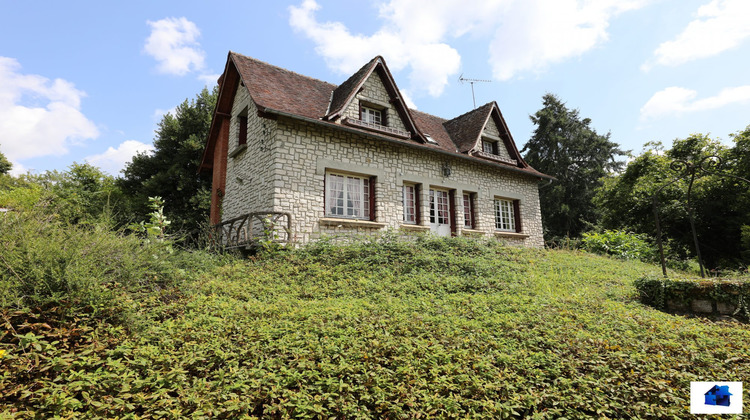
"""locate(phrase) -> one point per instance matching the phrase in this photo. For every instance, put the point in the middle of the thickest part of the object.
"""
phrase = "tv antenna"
(463, 79)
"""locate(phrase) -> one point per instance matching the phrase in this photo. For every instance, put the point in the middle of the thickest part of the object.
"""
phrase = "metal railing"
(248, 230)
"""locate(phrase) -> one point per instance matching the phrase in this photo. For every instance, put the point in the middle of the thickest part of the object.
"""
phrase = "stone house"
(354, 158)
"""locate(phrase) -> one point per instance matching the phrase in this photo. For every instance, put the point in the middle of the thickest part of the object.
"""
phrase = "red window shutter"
(243, 130)
(452, 209)
(471, 211)
(372, 198)
(517, 214)
(418, 204)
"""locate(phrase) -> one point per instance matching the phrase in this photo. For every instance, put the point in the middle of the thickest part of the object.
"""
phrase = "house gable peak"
(371, 100)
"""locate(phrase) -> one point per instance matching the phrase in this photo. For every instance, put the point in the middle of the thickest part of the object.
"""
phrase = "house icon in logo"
(718, 395)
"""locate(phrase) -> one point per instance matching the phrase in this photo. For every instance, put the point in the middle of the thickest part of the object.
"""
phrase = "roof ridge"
(426, 113)
(281, 68)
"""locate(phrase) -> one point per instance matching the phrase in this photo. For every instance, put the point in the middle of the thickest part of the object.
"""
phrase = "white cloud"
(39, 116)
(677, 100)
(18, 169)
(114, 160)
(209, 79)
(719, 26)
(536, 33)
(430, 60)
(160, 113)
(523, 35)
(173, 43)
(407, 99)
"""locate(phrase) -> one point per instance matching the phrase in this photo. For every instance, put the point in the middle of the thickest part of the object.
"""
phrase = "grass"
(374, 329)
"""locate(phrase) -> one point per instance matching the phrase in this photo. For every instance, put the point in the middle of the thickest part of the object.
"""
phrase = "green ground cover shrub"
(619, 244)
(431, 328)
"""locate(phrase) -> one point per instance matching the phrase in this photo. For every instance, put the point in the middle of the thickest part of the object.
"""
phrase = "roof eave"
(324, 123)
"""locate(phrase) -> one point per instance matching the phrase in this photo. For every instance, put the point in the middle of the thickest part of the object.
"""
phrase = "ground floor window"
(349, 196)
(506, 215)
(439, 207)
(411, 203)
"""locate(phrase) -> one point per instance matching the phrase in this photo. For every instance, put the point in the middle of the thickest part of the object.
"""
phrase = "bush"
(44, 262)
(620, 244)
(657, 292)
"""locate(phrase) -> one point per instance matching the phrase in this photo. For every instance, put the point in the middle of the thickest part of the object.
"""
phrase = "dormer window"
(489, 146)
(371, 115)
(374, 117)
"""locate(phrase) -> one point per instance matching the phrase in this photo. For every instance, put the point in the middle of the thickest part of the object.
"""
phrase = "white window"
(489, 147)
(372, 116)
(468, 211)
(439, 207)
(411, 201)
(505, 215)
(347, 196)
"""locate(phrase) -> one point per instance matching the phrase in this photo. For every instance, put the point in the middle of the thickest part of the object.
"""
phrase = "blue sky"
(89, 81)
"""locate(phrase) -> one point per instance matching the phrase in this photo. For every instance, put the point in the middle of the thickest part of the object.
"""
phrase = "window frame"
(364, 189)
(493, 146)
(507, 215)
(411, 211)
(365, 109)
(242, 128)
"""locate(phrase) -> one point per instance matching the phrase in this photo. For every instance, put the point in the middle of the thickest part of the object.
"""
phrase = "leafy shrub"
(46, 262)
(619, 244)
(657, 291)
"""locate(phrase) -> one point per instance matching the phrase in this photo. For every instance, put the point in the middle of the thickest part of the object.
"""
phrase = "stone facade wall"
(374, 92)
(249, 182)
(492, 130)
(304, 151)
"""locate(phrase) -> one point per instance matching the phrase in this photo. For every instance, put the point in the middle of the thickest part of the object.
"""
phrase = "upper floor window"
(371, 115)
(489, 146)
(243, 130)
(349, 196)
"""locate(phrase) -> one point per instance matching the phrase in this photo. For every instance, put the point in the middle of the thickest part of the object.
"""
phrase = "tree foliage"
(721, 205)
(171, 170)
(565, 146)
(5, 165)
(83, 194)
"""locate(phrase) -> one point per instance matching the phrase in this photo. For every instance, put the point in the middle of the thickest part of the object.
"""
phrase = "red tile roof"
(277, 90)
(465, 129)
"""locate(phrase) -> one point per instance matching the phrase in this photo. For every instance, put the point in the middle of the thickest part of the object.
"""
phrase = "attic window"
(430, 139)
(372, 116)
(490, 147)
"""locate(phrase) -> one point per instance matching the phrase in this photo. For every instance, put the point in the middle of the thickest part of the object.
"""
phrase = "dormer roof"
(466, 129)
(343, 95)
(278, 91)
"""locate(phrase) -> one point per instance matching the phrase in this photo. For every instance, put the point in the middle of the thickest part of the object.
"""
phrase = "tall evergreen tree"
(171, 170)
(565, 146)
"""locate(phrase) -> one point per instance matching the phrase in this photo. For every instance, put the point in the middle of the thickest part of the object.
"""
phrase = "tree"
(171, 170)
(565, 146)
(721, 205)
(5, 165)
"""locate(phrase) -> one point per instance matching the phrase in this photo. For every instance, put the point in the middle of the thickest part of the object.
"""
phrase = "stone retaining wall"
(726, 297)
